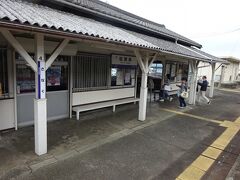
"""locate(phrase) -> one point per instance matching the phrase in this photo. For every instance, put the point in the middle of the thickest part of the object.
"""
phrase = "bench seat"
(100, 105)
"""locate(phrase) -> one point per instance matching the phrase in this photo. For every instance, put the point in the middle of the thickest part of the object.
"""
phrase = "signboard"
(119, 60)
(41, 79)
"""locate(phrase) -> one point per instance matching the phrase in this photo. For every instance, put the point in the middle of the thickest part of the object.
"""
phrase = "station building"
(62, 57)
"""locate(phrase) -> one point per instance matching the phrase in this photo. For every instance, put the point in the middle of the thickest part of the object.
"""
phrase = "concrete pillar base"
(40, 126)
(143, 104)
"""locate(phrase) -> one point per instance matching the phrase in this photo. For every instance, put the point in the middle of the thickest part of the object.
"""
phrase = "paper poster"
(54, 76)
(119, 78)
(127, 78)
(132, 73)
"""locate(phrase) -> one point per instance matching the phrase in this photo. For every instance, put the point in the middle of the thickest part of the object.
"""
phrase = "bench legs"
(77, 115)
(114, 108)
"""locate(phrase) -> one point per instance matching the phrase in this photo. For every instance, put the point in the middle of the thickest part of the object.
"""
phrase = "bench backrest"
(88, 97)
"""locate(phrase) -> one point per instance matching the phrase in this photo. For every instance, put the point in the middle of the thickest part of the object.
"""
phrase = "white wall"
(57, 107)
(207, 71)
(230, 71)
(7, 114)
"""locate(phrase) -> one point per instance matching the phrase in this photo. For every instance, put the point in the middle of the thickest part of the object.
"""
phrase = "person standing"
(182, 88)
(203, 89)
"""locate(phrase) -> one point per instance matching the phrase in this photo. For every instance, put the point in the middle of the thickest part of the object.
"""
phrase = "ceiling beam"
(56, 52)
(19, 48)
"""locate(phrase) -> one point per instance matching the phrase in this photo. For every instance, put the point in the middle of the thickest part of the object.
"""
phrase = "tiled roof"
(213, 58)
(230, 58)
(22, 12)
(37, 15)
(169, 46)
(107, 9)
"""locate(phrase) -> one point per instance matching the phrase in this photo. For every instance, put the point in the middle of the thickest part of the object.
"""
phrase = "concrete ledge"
(46, 162)
(232, 85)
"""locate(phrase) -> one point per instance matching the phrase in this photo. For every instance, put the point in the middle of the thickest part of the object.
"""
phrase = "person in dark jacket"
(203, 89)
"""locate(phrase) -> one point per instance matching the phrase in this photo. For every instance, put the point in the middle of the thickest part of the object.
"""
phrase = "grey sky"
(213, 23)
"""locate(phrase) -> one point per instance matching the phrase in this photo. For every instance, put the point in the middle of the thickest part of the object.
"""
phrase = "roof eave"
(65, 34)
(74, 36)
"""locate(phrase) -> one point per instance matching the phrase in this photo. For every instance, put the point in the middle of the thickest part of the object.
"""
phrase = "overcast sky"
(213, 23)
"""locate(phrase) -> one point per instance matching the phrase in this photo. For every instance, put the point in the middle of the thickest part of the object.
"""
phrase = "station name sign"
(124, 60)
(41, 79)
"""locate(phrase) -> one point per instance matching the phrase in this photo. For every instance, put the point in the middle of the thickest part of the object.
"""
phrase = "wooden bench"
(100, 105)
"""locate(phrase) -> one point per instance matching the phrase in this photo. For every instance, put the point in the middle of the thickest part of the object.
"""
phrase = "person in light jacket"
(203, 89)
(183, 87)
(166, 89)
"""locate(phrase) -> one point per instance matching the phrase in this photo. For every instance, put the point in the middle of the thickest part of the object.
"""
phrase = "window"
(156, 69)
(3, 73)
(25, 79)
(56, 75)
(123, 76)
(182, 71)
(171, 71)
(91, 72)
(123, 70)
(175, 71)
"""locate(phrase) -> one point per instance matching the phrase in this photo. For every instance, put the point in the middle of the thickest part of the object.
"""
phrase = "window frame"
(4, 74)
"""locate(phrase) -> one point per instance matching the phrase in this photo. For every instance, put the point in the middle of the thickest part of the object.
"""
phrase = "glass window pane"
(25, 79)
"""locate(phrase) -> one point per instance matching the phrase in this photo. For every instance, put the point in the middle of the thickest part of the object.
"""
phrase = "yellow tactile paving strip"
(202, 164)
(191, 115)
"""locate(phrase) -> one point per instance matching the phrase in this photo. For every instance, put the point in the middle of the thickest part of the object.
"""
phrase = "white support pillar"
(163, 72)
(212, 81)
(222, 76)
(143, 98)
(193, 82)
(40, 101)
(144, 65)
